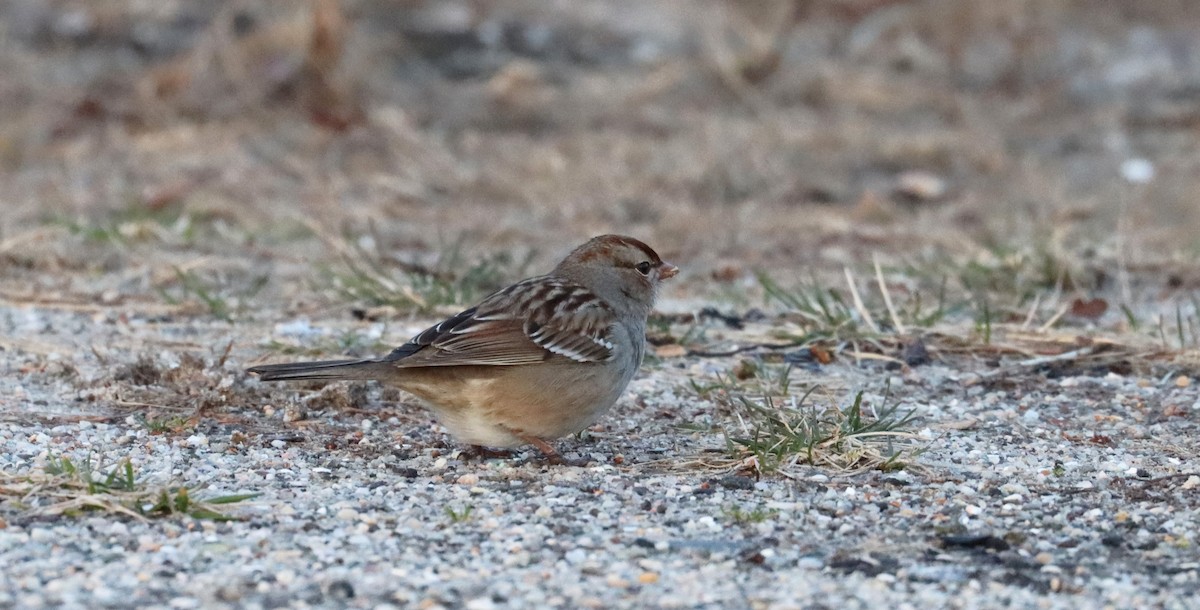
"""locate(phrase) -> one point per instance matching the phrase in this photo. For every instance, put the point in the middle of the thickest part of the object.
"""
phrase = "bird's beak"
(667, 271)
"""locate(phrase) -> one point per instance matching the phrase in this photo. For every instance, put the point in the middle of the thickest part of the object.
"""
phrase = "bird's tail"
(321, 371)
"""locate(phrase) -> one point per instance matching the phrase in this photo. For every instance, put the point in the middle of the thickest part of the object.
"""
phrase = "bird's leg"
(548, 450)
(551, 454)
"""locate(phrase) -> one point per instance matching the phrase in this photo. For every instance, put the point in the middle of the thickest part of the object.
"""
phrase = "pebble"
(922, 186)
(480, 603)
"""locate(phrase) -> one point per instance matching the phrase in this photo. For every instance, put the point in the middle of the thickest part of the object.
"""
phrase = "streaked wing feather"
(523, 324)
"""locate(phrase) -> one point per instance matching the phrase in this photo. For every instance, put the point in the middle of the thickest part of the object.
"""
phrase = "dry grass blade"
(887, 299)
(858, 302)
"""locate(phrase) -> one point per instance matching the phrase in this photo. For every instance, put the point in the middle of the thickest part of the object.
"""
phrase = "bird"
(536, 361)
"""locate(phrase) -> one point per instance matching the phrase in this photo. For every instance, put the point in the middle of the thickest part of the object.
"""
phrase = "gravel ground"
(1073, 491)
(166, 165)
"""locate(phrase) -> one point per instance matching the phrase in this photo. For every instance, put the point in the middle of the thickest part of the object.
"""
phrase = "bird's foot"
(479, 452)
(551, 454)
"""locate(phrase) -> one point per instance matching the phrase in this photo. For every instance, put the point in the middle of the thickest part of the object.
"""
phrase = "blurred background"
(733, 135)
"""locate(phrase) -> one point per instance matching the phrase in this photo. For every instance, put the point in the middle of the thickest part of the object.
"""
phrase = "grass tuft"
(826, 312)
(740, 516)
(64, 487)
(776, 428)
(460, 515)
(168, 425)
(375, 280)
(781, 435)
(347, 342)
(140, 222)
(213, 295)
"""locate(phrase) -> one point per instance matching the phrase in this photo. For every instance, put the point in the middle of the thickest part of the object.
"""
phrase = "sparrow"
(541, 359)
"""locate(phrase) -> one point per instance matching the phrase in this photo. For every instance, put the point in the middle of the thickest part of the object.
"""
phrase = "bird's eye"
(644, 267)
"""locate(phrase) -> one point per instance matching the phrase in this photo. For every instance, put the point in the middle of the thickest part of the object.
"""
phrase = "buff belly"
(498, 406)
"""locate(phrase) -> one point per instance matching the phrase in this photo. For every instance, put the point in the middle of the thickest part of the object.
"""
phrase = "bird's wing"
(532, 321)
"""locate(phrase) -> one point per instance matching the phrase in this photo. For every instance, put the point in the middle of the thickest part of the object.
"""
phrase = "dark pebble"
(974, 541)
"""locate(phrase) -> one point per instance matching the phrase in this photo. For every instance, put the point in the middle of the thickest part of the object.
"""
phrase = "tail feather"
(321, 371)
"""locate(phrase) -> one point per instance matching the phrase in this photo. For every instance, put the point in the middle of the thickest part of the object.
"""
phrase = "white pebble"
(480, 603)
(1137, 170)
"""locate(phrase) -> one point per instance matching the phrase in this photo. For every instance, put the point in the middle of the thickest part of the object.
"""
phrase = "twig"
(1037, 300)
(745, 348)
(1163, 479)
(1062, 311)
(1036, 362)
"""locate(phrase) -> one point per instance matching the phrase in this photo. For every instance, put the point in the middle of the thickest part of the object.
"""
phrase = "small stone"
(810, 563)
(671, 350)
(480, 603)
(920, 186)
(468, 479)
(1137, 170)
(1183, 381)
(347, 514)
(617, 582)
(341, 590)
(648, 578)
(1044, 558)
